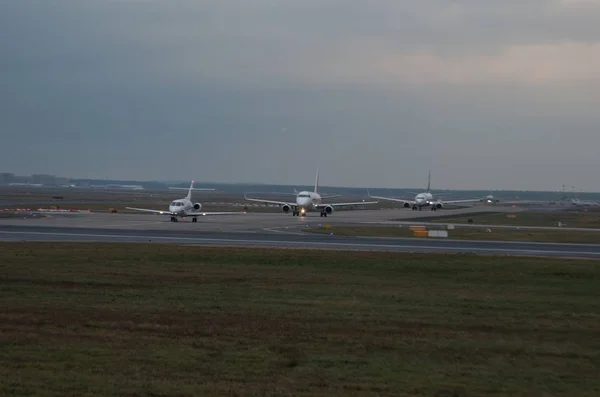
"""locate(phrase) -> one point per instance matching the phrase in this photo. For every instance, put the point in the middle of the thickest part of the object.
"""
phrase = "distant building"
(42, 179)
(126, 187)
(7, 177)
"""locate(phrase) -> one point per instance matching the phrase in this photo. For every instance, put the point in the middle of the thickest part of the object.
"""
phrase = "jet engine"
(285, 208)
(329, 210)
(197, 206)
(438, 205)
(406, 205)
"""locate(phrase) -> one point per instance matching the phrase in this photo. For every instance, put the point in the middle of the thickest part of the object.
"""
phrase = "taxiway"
(265, 230)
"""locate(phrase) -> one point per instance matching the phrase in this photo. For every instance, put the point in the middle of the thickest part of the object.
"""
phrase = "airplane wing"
(195, 188)
(461, 201)
(152, 211)
(270, 201)
(398, 200)
(214, 213)
(323, 205)
(188, 214)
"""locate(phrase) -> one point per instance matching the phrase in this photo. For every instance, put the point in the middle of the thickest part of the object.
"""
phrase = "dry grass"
(580, 217)
(471, 233)
(152, 320)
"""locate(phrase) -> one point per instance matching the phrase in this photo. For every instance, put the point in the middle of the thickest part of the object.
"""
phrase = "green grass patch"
(159, 320)
(589, 218)
(471, 233)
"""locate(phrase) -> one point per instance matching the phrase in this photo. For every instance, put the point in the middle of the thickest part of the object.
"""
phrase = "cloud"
(488, 93)
(545, 64)
(358, 42)
(577, 3)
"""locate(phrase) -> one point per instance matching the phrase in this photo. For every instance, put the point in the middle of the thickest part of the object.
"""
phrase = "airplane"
(490, 199)
(425, 199)
(306, 200)
(184, 207)
(583, 203)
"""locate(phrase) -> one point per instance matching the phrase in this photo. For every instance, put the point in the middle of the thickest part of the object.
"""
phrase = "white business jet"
(306, 200)
(425, 199)
(184, 207)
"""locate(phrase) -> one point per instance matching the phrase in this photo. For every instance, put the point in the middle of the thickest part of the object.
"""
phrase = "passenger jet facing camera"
(306, 200)
(425, 199)
(184, 207)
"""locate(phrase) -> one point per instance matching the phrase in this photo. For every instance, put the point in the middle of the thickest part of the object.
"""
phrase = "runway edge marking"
(323, 244)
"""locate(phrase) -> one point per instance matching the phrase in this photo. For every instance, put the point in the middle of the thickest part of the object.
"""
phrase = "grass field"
(471, 233)
(589, 218)
(151, 320)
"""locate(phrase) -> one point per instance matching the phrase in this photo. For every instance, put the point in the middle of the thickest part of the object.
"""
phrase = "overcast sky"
(489, 94)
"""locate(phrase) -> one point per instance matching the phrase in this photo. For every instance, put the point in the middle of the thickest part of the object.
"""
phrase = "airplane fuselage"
(307, 200)
(182, 207)
(423, 199)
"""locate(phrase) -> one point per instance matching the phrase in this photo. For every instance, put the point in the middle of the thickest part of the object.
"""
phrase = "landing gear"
(414, 208)
(173, 219)
(323, 214)
(433, 208)
(194, 219)
(297, 212)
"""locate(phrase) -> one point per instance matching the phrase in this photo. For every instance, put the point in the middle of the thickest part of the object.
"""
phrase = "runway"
(262, 230)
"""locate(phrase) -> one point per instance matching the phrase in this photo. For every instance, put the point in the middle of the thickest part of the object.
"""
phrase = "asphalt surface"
(293, 240)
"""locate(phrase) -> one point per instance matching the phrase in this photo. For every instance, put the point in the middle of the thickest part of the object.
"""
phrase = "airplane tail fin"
(429, 182)
(189, 195)
(317, 182)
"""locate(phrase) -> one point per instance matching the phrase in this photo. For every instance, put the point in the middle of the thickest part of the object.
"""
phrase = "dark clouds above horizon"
(374, 92)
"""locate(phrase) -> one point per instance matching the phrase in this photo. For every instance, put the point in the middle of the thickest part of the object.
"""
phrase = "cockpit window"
(176, 204)
(303, 195)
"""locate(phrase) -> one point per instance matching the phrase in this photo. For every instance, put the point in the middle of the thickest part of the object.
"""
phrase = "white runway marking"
(311, 244)
(129, 224)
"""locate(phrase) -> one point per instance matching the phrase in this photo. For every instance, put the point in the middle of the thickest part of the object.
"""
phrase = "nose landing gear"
(297, 212)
